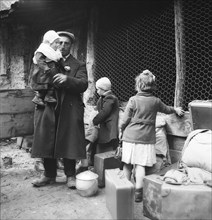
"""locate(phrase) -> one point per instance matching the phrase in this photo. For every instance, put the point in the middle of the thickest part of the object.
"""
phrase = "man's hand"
(59, 79)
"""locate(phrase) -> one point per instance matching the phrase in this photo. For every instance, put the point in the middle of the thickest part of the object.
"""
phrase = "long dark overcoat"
(59, 130)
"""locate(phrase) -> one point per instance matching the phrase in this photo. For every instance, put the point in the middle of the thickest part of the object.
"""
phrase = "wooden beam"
(16, 113)
(16, 125)
(92, 29)
(180, 71)
(16, 101)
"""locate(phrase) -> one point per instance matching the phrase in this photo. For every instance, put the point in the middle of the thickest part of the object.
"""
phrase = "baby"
(47, 62)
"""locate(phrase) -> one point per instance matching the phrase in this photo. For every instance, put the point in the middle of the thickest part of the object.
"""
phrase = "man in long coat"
(59, 129)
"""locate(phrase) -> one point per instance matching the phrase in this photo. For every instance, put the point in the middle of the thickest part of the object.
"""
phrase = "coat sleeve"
(128, 112)
(41, 61)
(105, 112)
(39, 73)
(79, 82)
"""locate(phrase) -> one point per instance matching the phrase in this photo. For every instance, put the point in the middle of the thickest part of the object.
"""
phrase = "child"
(91, 135)
(107, 117)
(138, 129)
(46, 63)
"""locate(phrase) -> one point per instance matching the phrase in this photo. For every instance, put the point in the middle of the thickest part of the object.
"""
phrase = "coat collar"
(109, 92)
(66, 57)
(144, 93)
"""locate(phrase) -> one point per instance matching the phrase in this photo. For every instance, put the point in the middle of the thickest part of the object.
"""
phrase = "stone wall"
(14, 49)
(17, 46)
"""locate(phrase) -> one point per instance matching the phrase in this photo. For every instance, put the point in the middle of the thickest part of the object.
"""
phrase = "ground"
(19, 200)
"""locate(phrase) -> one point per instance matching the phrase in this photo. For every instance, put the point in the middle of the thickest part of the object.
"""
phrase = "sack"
(91, 133)
(118, 152)
(197, 150)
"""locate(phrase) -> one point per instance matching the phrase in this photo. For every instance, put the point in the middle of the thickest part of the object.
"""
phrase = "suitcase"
(104, 161)
(201, 114)
(119, 193)
(165, 201)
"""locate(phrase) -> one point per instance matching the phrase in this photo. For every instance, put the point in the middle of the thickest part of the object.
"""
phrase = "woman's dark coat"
(59, 130)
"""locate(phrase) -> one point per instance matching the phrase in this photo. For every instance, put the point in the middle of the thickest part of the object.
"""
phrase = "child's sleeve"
(104, 112)
(41, 61)
(165, 108)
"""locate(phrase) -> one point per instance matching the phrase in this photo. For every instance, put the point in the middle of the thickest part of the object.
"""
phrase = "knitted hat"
(50, 36)
(103, 83)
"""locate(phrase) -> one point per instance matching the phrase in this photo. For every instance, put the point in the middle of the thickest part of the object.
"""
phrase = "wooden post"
(180, 69)
(90, 62)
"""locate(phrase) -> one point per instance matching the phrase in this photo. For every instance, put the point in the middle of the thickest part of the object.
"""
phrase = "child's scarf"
(49, 52)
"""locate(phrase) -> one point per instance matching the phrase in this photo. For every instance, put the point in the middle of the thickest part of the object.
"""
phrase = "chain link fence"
(136, 35)
(197, 45)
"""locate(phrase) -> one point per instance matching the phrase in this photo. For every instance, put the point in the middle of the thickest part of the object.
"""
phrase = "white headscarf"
(50, 36)
(45, 48)
(49, 52)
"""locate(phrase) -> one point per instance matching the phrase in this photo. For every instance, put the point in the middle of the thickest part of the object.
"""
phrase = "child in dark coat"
(103, 127)
(107, 117)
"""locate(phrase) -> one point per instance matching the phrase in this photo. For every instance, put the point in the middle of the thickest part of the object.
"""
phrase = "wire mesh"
(197, 45)
(137, 35)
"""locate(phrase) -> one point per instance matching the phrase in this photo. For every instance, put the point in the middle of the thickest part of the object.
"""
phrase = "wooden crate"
(16, 113)
(177, 129)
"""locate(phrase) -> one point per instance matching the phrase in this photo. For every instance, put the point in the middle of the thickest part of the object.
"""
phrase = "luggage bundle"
(103, 161)
(185, 192)
(119, 194)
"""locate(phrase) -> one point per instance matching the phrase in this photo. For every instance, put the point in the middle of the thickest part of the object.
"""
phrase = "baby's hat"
(50, 36)
(103, 83)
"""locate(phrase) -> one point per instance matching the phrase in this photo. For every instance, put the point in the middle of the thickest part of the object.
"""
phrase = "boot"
(38, 101)
(50, 96)
(71, 182)
(50, 99)
(39, 166)
(139, 195)
(60, 164)
(43, 181)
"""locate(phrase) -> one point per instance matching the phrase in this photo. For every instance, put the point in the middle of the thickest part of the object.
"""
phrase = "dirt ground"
(19, 200)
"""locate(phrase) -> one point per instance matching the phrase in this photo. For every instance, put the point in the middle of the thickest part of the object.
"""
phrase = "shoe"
(43, 181)
(50, 99)
(60, 164)
(139, 195)
(71, 182)
(81, 169)
(38, 101)
(39, 166)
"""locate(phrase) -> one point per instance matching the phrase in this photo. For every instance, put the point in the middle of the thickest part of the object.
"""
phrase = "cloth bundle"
(187, 175)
